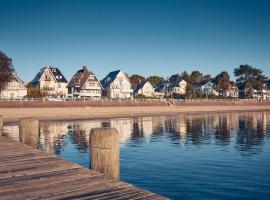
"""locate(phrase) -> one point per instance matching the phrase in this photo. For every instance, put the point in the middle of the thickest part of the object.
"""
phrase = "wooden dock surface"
(27, 173)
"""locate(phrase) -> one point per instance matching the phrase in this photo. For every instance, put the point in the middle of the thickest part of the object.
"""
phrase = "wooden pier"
(27, 173)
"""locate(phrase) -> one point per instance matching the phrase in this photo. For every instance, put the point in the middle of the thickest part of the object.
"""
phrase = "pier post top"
(27, 118)
(104, 138)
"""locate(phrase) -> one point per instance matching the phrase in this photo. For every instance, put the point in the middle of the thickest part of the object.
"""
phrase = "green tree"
(32, 91)
(207, 77)
(185, 76)
(155, 80)
(136, 79)
(250, 78)
(222, 81)
(196, 76)
(6, 68)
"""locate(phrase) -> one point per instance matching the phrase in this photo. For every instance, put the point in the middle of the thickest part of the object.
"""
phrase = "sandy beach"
(11, 115)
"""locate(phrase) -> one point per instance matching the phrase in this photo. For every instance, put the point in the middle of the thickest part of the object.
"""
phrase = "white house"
(232, 91)
(84, 84)
(144, 89)
(161, 89)
(266, 92)
(176, 86)
(51, 82)
(117, 85)
(14, 89)
(206, 87)
(172, 87)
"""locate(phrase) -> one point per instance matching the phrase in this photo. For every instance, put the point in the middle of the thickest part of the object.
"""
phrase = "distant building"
(177, 86)
(232, 91)
(255, 93)
(84, 84)
(14, 89)
(246, 92)
(51, 82)
(144, 89)
(206, 87)
(117, 85)
(266, 92)
(161, 89)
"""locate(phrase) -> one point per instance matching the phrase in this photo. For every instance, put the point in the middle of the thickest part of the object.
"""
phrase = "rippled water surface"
(204, 156)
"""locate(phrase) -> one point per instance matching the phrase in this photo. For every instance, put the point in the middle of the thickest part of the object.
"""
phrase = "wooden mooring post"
(104, 148)
(29, 131)
(1, 125)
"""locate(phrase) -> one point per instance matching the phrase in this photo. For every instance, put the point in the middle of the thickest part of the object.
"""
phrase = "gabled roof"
(14, 76)
(17, 78)
(80, 78)
(140, 86)
(163, 84)
(109, 78)
(174, 80)
(57, 74)
(201, 83)
(266, 87)
(268, 83)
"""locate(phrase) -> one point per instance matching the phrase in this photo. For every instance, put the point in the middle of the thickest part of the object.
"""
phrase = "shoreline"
(12, 115)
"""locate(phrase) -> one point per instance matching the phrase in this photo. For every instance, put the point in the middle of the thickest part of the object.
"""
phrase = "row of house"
(116, 85)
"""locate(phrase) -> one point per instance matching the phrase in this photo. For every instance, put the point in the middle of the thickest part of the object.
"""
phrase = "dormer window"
(58, 77)
(53, 70)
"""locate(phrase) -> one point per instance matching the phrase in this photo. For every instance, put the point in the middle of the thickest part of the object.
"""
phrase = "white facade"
(14, 89)
(232, 92)
(84, 84)
(146, 90)
(117, 85)
(179, 88)
(51, 82)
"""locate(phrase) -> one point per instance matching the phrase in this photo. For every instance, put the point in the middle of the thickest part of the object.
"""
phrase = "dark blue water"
(205, 156)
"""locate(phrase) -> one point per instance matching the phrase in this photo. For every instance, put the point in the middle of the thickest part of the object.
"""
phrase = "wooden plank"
(26, 173)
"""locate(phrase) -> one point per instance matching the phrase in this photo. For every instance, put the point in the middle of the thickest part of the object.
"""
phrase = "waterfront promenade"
(27, 173)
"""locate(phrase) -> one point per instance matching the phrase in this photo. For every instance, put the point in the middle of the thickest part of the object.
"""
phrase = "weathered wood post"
(1, 125)
(29, 131)
(104, 148)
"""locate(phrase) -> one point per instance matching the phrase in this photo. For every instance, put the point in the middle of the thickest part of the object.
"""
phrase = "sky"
(146, 37)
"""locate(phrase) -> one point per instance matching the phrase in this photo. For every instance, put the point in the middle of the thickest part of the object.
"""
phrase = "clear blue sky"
(139, 36)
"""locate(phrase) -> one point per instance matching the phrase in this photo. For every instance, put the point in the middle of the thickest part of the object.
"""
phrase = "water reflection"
(245, 131)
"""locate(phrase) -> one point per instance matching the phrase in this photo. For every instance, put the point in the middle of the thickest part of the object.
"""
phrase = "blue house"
(206, 87)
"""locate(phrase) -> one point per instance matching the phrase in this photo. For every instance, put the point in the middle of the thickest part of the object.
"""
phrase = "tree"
(6, 69)
(207, 77)
(136, 79)
(250, 78)
(155, 80)
(185, 76)
(196, 76)
(32, 91)
(222, 81)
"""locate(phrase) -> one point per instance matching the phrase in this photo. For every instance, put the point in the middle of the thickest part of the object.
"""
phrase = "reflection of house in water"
(158, 125)
(124, 128)
(252, 131)
(248, 130)
(52, 136)
(146, 126)
(80, 133)
(11, 131)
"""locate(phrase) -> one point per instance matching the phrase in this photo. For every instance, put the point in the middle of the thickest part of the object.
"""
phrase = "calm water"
(204, 156)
